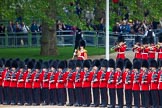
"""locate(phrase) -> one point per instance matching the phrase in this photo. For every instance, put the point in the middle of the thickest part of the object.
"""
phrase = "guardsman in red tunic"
(86, 84)
(136, 82)
(1, 79)
(95, 82)
(154, 83)
(45, 83)
(103, 83)
(121, 48)
(37, 84)
(160, 83)
(152, 51)
(70, 82)
(111, 83)
(6, 76)
(137, 49)
(144, 49)
(60, 85)
(119, 81)
(128, 81)
(78, 83)
(52, 83)
(21, 84)
(13, 83)
(145, 84)
(28, 83)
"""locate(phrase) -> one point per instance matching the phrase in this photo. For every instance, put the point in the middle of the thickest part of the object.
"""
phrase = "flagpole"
(107, 29)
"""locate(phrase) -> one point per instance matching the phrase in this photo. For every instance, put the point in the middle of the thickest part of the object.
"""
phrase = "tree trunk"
(49, 39)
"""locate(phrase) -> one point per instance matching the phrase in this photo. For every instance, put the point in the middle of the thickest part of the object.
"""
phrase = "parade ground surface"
(129, 54)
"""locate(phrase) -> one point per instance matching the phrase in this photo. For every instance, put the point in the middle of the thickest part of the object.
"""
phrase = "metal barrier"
(66, 38)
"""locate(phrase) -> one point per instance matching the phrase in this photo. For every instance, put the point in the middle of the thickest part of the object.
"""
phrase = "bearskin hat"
(71, 64)
(21, 64)
(136, 64)
(14, 63)
(145, 40)
(26, 61)
(153, 63)
(112, 63)
(3, 60)
(45, 65)
(54, 64)
(8, 63)
(87, 64)
(160, 38)
(128, 64)
(96, 63)
(30, 65)
(120, 64)
(1, 63)
(61, 64)
(121, 39)
(38, 65)
(82, 43)
(145, 64)
(104, 63)
(79, 63)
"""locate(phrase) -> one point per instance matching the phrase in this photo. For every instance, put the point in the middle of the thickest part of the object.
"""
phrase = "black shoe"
(60, 104)
(94, 105)
(12, 103)
(4, 103)
(102, 105)
(69, 104)
(85, 105)
(76, 105)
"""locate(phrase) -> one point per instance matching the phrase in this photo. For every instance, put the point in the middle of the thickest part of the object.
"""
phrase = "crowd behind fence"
(66, 38)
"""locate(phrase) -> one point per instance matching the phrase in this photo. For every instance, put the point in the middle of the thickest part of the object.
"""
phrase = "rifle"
(136, 78)
(45, 77)
(1, 70)
(160, 79)
(128, 77)
(144, 77)
(8, 76)
(61, 76)
(154, 76)
(95, 76)
(77, 76)
(119, 79)
(103, 75)
(70, 75)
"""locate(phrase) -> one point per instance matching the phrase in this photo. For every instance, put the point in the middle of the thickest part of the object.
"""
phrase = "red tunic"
(111, 80)
(128, 80)
(61, 81)
(144, 53)
(154, 81)
(96, 81)
(119, 79)
(145, 82)
(137, 53)
(104, 79)
(159, 53)
(78, 79)
(70, 80)
(121, 52)
(81, 55)
(29, 80)
(14, 79)
(6, 80)
(53, 80)
(136, 81)
(87, 79)
(45, 81)
(37, 81)
(21, 80)
(160, 80)
(151, 52)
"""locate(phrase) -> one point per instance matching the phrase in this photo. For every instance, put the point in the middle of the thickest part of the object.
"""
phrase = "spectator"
(150, 35)
(116, 28)
(2, 34)
(25, 30)
(18, 34)
(10, 31)
(125, 27)
(34, 30)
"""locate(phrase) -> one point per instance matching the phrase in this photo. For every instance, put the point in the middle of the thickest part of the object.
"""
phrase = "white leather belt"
(120, 52)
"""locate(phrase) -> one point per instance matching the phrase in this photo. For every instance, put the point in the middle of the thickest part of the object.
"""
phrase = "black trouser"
(136, 95)
(28, 95)
(79, 95)
(160, 98)
(120, 97)
(112, 95)
(20, 95)
(128, 97)
(87, 96)
(45, 95)
(1, 94)
(145, 98)
(6, 97)
(53, 96)
(36, 95)
(104, 97)
(71, 96)
(155, 98)
(96, 96)
(61, 96)
(13, 95)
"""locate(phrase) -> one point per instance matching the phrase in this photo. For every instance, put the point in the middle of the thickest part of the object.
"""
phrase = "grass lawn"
(63, 53)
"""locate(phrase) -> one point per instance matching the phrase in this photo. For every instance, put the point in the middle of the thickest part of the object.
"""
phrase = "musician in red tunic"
(137, 50)
(144, 49)
(159, 49)
(120, 48)
(152, 51)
